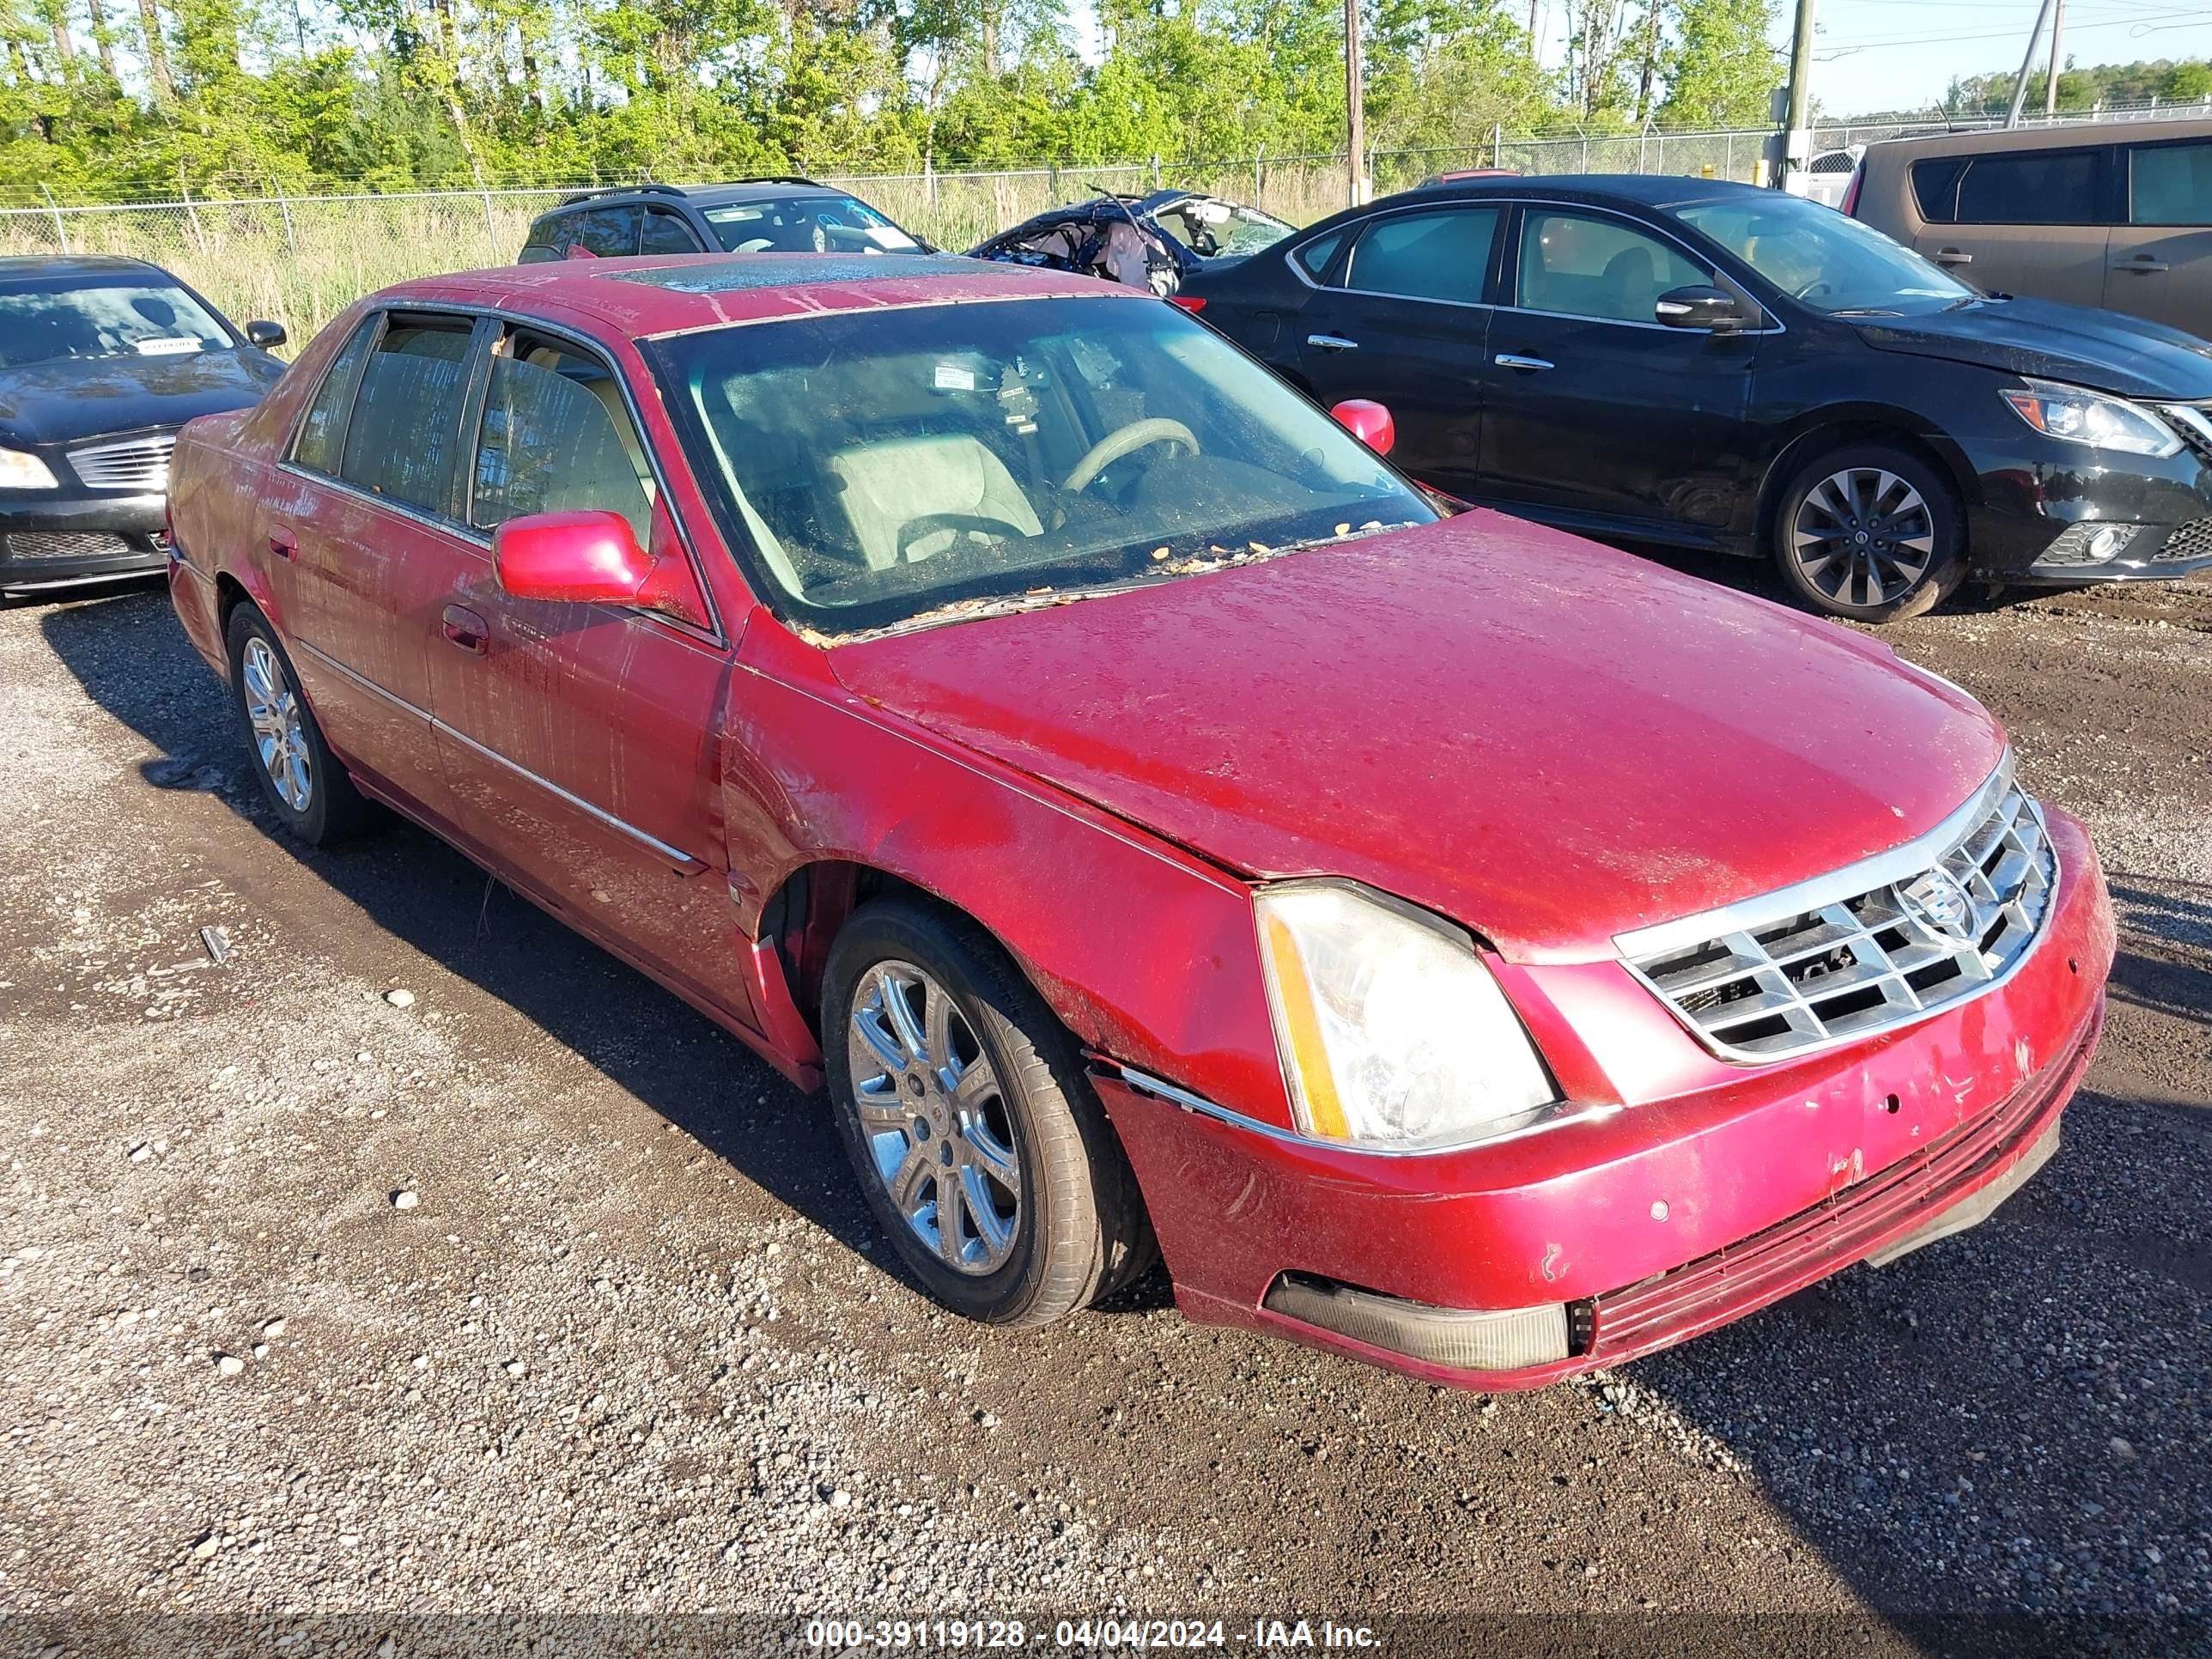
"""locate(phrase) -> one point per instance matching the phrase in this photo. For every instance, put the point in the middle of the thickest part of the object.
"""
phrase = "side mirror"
(573, 558)
(267, 336)
(1713, 309)
(1367, 421)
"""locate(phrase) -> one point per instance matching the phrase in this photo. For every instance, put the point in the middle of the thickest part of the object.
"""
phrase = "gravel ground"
(419, 1260)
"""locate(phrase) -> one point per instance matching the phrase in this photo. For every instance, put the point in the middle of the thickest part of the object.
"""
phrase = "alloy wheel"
(280, 740)
(934, 1117)
(1863, 537)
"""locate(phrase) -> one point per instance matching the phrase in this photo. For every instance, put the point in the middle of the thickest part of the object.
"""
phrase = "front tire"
(301, 780)
(982, 1151)
(1869, 533)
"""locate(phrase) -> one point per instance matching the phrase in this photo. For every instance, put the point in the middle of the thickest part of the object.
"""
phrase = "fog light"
(1508, 1340)
(2090, 544)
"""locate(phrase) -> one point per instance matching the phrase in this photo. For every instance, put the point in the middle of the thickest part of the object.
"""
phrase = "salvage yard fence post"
(61, 230)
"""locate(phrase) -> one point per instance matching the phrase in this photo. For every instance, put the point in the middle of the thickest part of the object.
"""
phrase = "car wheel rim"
(938, 1126)
(1864, 535)
(280, 739)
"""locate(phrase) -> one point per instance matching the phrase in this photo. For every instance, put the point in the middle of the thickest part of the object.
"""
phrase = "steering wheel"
(1818, 285)
(982, 526)
(1154, 429)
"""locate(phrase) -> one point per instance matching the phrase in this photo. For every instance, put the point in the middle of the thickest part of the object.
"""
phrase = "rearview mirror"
(585, 558)
(1713, 309)
(267, 336)
(1367, 421)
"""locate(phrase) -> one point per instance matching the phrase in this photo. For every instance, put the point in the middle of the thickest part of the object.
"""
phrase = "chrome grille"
(1876, 945)
(135, 463)
(2191, 541)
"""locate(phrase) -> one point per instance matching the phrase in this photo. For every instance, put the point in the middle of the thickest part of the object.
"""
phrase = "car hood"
(1546, 740)
(78, 397)
(2098, 349)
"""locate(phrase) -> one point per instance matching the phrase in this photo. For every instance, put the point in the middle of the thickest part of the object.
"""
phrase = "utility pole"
(1797, 141)
(1354, 93)
(2050, 82)
(2026, 61)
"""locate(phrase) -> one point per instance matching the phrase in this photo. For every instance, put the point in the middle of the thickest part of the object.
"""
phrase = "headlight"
(1393, 1034)
(19, 471)
(2078, 417)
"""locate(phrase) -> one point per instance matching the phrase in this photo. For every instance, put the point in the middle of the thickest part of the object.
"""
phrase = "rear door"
(1402, 318)
(2160, 261)
(1595, 413)
(2030, 221)
(604, 233)
(360, 516)
(581, 742)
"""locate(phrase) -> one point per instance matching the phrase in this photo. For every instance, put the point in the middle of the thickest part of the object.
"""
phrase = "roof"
(1656, 190)
(672, 294)
(2066, 136)
(705, 196)
(43, 265)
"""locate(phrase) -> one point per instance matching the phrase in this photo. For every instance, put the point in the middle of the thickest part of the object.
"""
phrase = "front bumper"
(2042, 504)
(1650, 1223)
(47, 542)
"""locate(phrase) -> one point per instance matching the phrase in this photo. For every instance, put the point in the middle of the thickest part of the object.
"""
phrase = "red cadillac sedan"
(1157, 823)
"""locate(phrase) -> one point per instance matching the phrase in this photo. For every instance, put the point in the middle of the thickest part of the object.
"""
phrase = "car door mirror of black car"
(267, 336)
(1715, 310)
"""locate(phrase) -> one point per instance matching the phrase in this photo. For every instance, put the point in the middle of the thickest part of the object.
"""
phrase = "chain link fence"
(300, 259)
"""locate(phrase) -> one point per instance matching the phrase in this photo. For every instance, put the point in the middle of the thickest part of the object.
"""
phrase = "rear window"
(2031, 187)
(1425, 256)
(607, 232)
(399, 442)
(2170, 185)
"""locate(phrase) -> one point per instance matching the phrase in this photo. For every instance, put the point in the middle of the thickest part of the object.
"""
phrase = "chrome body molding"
(677, 859)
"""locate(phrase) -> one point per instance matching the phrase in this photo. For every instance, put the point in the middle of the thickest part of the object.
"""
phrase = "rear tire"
(1869, 533)
(980, 1147)
(301, 778)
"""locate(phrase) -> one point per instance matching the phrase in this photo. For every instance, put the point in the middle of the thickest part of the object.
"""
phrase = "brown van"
(2112, 214)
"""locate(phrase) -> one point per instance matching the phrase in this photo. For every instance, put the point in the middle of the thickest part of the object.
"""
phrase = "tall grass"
(300, 263)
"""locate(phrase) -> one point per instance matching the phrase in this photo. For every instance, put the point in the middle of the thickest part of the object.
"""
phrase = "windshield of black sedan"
(49, 325)
(1823, 259)
(887, 464)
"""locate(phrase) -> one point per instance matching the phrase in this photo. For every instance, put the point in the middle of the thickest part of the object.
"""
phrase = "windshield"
(885, 465)
(1825, 260)
(120, 320)
(1220, 230)
(808, 224)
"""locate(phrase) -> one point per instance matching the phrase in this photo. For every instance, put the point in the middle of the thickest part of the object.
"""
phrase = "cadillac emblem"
(1938, 902)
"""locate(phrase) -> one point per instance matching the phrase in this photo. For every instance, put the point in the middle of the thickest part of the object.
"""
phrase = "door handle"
(1515, 360)
(2141, 262)
(283, 544)
(1952, 256)
(1332, 343)
(464, 627)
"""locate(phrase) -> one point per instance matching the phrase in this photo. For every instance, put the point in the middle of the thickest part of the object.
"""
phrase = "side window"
(557, 438)
(2170, 185)
(1579, 266)
(1425, 256)
(399, 442)
(607, 232)
(1935, 188)
(2034, 187)
(324, 429)
(1315, 256)
(665, 233)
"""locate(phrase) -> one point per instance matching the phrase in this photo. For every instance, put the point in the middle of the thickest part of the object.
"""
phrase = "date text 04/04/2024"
(849, 1635)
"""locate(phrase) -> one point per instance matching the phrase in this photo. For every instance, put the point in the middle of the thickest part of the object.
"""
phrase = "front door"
(1402, 320)
(582, 742)
(1597, 415)
(2158, 263)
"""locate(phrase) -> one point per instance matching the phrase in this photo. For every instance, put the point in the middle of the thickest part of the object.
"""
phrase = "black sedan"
(1710, 366)
(101, 359)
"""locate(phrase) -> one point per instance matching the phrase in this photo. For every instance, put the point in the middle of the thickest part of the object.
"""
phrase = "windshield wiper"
(1867, 311)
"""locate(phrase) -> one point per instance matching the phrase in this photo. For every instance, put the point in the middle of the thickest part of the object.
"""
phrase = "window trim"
(2129, 151)
(1721, 276)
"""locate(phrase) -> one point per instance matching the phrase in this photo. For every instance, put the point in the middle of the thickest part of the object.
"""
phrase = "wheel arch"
(1832, 429)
